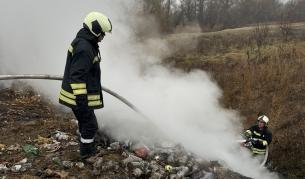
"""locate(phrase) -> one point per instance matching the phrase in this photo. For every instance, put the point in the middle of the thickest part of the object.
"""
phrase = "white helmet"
(97, 23)
(263, 118)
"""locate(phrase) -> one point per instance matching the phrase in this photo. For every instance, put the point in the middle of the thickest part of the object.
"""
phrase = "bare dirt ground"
(26, 119)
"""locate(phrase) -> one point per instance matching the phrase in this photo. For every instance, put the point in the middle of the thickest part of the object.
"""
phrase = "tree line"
(213, 15)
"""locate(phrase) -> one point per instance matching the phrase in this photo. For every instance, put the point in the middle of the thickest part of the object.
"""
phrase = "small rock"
(137, 172)
(80, 165)
(67, 164)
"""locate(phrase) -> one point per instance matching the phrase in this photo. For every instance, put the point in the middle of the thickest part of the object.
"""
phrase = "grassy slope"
(273, 82)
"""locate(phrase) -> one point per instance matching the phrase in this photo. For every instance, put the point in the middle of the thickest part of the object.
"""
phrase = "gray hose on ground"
(59, 78)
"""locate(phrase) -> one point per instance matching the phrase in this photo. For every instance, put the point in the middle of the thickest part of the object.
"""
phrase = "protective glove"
(247, 135)
(255, 141)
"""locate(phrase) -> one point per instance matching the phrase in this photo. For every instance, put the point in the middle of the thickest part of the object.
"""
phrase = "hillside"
(258, 70)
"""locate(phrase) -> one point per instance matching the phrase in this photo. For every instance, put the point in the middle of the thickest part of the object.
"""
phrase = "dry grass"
(272, 82)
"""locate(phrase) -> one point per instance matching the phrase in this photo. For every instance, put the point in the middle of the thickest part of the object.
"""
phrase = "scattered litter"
(182, 172)
(80, 165)
(30, 149)
(132, 158)
(2, 146)
(43, 140)
(72, 143)
(3, 168)
(56, 161)
(142, 152)
(49, 172)
(15, 147)
(16, 168)
(137, 172)
(23, 161)
(98, 163)
(62, 174)
(52, 147)
(110, 165)
(67, 164)
(115, 146)
(168, 168)
(60, 135)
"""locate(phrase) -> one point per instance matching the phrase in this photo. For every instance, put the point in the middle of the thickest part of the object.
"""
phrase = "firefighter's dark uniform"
(264, 137)
(81, 86)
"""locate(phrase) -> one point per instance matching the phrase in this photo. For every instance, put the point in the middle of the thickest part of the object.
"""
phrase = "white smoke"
(185, 108)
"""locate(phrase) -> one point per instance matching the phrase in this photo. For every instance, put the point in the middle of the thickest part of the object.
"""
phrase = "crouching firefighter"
(81, 86)
(259, 135)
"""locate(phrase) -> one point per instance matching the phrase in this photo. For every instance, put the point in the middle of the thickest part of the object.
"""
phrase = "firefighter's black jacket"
(264, 137)
(81, 86)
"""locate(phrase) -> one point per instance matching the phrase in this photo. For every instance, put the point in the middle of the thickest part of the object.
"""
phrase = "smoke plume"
(181, 107)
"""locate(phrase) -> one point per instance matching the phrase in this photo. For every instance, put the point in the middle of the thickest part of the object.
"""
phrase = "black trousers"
(87, 124)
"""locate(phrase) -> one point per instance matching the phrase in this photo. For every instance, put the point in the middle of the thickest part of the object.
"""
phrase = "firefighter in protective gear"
(260, 134)
(81, 87)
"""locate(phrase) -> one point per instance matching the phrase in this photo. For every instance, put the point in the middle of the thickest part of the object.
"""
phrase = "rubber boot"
(87, 150)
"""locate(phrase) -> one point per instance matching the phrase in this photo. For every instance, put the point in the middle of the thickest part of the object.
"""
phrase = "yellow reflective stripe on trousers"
(78, 85)
(67, 100)
(258, 151)
(79, 91)
(70, 49)
(94, 103)
(67, 94)
(94, 97)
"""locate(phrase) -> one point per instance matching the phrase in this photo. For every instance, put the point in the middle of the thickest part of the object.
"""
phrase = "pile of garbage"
(165, 160)
(117, 159)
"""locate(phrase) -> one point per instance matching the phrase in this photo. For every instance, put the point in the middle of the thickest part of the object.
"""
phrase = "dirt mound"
(270, 80)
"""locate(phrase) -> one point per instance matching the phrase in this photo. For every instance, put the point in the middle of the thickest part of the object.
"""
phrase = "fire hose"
(60, 78)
